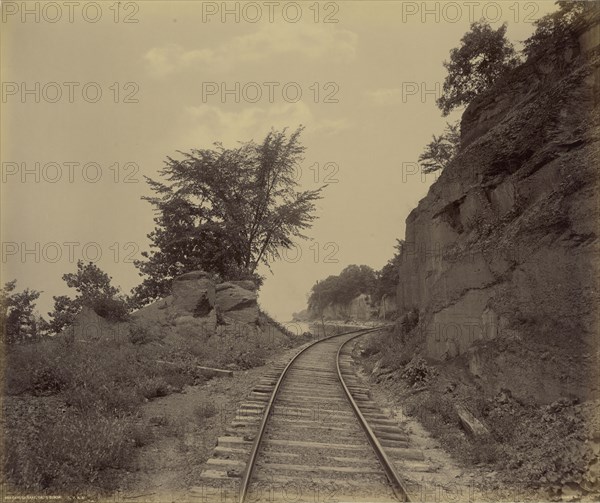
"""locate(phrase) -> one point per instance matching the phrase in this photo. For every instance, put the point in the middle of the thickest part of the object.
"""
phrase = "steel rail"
(390, 471)
(245, 482)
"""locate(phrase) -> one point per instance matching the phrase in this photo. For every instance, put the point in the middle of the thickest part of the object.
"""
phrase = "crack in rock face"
(203, 307)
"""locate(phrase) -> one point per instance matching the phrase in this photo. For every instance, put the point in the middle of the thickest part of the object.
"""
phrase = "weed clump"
(417, 372)
(205, 411)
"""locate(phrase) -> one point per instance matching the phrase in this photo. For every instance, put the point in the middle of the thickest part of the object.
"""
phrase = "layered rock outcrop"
(388, 307)
(359, 309)
(238, 300)
(195, 293)
(90, 327)
(196, 306)
(197, 303)
(504, 247)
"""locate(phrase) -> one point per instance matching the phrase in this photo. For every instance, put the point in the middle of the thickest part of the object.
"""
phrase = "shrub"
(159, 421)
(440, 406)
(503, 424)
(441, 150)
(79, 397)
(105, 398)
(177, 379)
(409, 321)
(196, 348)
(391, 346)
(205, 410)
(254, 357)
(139, 334)
(20, 363)
(47, 381)
(153, 387)
(418, 372)
(485, 450)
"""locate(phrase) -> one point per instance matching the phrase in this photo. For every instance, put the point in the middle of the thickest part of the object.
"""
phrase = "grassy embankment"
(71, 408)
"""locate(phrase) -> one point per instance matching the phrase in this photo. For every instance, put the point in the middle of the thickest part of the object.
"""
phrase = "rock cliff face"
(388, 307)
(359, 309)
(500, 257)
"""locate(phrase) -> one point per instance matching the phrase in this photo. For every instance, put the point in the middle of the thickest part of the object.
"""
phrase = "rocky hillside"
(500, 260)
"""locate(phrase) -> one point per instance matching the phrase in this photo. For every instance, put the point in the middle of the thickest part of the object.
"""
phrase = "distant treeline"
(355, 280)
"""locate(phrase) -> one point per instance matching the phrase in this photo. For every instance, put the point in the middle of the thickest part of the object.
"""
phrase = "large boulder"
(194, 292)
(246, 284)
(90, 327)
(192, 308)
(236, 302)
(195, 300)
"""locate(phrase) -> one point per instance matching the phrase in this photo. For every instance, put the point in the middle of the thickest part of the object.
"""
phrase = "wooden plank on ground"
(470, 423)
(211, 372)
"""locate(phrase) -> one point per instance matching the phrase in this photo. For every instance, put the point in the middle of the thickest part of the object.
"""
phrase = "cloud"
(310, 42)
(389, 96)
(206, 123)
(172, 58)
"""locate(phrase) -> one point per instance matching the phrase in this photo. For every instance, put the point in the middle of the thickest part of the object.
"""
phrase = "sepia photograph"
(300, 251)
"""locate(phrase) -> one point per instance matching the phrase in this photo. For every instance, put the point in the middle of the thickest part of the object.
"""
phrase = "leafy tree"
(5, 302)
(65, 310)
(354, 280)
(41, 325)
(351, 282)
(90, 283)
(94, 290)
(225, 211)
(557, 29)
(17, 319)
(439, 152)
(484, 55)
(388, 277)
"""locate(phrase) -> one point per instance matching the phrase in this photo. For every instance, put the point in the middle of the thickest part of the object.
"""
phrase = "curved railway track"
(309, 432)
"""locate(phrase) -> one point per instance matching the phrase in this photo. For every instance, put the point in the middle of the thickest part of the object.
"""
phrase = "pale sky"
(364, 83)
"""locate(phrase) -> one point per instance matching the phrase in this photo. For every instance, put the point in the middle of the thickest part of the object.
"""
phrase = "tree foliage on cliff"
(341, 289)
(441, 150)
(225, 211)
(94, 290)
(558, 29)
(483, 56)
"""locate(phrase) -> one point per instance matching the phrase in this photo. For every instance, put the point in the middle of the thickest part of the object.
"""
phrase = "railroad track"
(309, 432)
